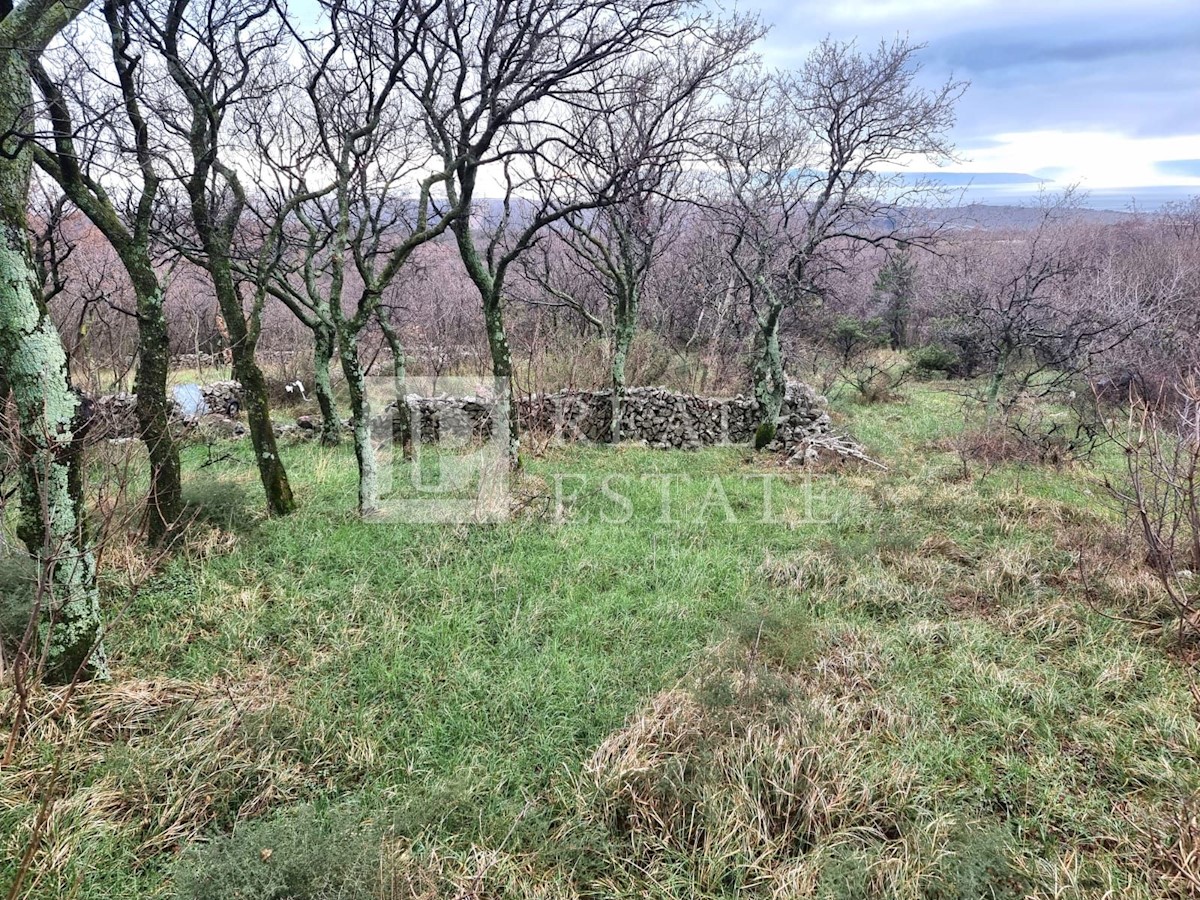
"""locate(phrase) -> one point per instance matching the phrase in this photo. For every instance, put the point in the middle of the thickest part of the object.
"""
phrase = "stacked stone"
(219, 360)
(667, 420)
(197, 361)
(114, 416)
(654, 416)
(803, 416)
(443, 418)
(223, 397)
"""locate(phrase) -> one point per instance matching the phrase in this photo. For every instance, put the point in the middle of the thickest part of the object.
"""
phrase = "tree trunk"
(165, 503)
(402, 426)
(34, 365)
(624, 329)
(246, 371)
(770, 381)
(360, 424)
(324, 346)
(493, 317)
(999, 373)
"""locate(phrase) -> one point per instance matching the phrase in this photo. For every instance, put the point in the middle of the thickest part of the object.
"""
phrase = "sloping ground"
(892, 687)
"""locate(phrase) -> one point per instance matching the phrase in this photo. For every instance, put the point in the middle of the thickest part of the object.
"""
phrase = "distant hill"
(988, 215)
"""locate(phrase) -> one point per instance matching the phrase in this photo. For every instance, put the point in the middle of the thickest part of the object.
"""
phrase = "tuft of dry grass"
(163, 758)
(810, 570)
(771, 797)
(1178, 853)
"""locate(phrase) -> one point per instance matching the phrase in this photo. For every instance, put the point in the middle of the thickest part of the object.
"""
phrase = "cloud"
(1096, 89)
(1093, 159)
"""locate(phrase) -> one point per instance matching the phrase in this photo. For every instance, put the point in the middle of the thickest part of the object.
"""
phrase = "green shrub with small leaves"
(850, 336)
(933, 359)
(304, 854)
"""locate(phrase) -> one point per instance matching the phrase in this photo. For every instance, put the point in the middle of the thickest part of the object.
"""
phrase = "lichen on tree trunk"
(402, 426)
(34, 365)
(491, 292)
(770, 380)
(165, 501)
(271, 471)
(624, 328)
(360, 424)
(242, 344)
(324, 346)
(502, 369)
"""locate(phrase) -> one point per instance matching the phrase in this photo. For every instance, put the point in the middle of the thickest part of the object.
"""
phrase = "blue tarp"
(190, 399)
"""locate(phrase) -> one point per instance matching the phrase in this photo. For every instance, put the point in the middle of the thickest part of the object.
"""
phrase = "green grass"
(453, 681)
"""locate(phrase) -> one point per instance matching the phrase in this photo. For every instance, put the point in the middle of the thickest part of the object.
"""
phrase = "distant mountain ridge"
(994, 215)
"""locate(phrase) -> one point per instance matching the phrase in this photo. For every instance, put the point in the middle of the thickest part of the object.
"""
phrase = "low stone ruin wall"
(115, 415)
(666, 420)
(222, 360)
(223, 396)
(654, 416)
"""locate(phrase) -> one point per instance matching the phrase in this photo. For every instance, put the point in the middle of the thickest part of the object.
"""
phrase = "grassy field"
(892, 688)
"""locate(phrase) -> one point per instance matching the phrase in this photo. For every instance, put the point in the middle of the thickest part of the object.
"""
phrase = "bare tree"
(803, 184)
(33, 366)
(88, 157)
(359, 230)
(496, 84)
(1151, 275)
(219, 54)
(639, 151)
(1022, 299)
(1159, 495)
(281, 257)
(86, 286)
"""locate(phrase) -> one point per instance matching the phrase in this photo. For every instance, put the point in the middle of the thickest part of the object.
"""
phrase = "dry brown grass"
(811, 570)
(763, 780)
(160, 758)
(409, 873)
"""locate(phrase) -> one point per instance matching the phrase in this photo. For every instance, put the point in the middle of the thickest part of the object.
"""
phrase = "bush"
(309, 854)
(878, 377)
(851, 337)
(966, 342)
(932, 359)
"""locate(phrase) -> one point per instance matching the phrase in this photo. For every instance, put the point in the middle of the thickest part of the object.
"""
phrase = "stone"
(651, 416)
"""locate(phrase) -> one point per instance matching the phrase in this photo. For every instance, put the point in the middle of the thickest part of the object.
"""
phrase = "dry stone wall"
(667, 420)
(223, 397)
(222, 359)
(654, 416)
(114, 416)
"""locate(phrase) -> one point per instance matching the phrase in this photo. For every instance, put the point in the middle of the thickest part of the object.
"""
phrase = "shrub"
(932, 359)
(878, 377)
(850, 336)
(1159, 496)
(967, 343)
(308, 854)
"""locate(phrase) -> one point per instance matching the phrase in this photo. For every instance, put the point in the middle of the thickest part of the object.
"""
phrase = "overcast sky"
(1099, 92)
